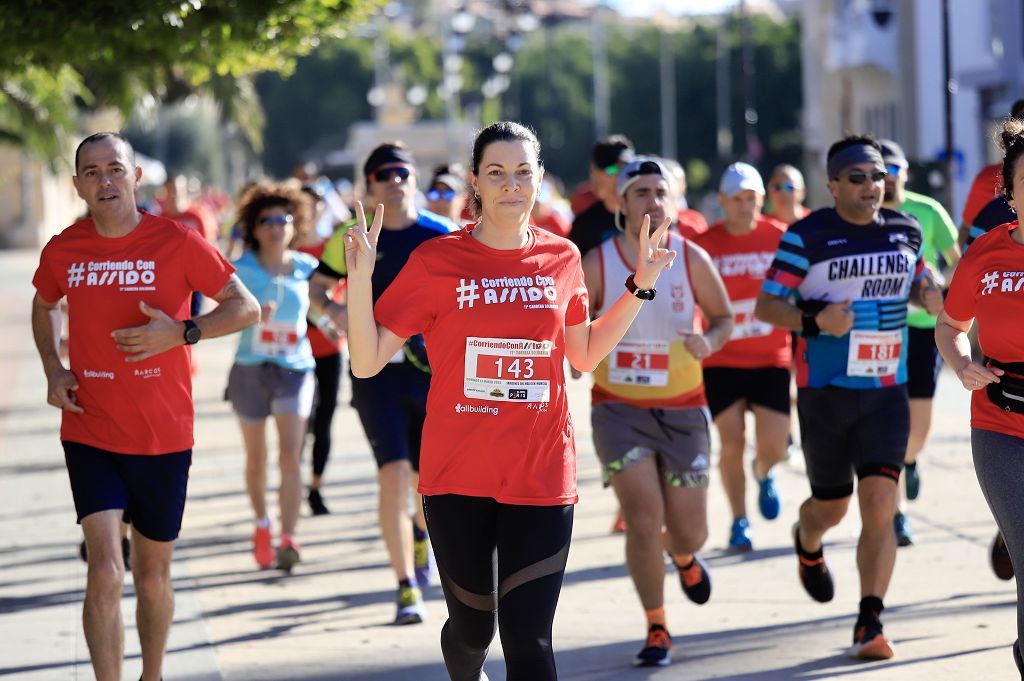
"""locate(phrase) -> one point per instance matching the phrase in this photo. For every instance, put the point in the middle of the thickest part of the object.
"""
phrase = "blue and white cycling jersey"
(824, 259)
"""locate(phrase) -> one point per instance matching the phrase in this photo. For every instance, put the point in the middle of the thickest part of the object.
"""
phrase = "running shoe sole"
(640, 661)
(877, 648)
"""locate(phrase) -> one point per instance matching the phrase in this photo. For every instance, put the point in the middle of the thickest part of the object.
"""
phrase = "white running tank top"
(650, 367)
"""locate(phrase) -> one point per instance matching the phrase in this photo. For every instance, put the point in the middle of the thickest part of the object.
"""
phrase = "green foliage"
(106, 53)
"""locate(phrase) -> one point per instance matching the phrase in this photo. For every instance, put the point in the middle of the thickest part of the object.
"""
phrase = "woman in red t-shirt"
(987, 288)
(500, 304)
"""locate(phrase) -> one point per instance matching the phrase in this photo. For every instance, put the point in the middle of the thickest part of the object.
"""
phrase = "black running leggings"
(529, 546)
(328, 380)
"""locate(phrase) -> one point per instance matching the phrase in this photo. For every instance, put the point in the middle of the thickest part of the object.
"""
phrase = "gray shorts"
(260, 390)
(678, 439)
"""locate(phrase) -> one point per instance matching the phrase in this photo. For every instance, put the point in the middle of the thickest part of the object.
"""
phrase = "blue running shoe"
(410, 606)
(904, 535)
(768, 501)
(739, 536)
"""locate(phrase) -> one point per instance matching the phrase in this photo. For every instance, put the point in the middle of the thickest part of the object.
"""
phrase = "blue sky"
(645, 7)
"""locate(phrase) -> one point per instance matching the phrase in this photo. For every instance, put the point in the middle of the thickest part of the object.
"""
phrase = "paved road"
(949, 617)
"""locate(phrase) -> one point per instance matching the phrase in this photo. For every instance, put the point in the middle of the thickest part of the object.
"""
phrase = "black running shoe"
(814, 572)
(999, 556)
(316, 503)
(695, 580)
(658, 650)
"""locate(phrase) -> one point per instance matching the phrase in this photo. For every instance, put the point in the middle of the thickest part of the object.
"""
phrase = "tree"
(59, 56)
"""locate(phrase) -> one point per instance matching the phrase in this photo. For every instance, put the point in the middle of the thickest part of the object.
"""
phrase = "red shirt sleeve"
(578, 309)
(960, 300)
(407, 306)
(45, 282)
(983, 190)
(207, 270)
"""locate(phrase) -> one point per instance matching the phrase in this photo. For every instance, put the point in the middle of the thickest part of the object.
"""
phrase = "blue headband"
(852, 155)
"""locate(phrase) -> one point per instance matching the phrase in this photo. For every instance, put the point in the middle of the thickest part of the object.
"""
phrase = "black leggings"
(529, 545)
(328, 380)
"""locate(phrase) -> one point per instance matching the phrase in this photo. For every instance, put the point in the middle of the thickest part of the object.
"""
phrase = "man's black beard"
(888, 196)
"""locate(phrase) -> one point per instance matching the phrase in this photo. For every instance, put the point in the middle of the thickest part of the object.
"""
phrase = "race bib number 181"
(874, 353)
(508, 369)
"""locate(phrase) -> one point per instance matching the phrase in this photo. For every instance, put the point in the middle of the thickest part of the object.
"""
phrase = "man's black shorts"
(392, 407)
(846, 431)
(149, 488)
(923, 363)
(767, 387)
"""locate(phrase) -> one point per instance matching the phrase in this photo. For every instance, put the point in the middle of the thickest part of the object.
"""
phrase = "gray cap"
(741, 176)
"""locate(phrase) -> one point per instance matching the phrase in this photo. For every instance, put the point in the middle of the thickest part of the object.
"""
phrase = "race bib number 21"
(507, 369)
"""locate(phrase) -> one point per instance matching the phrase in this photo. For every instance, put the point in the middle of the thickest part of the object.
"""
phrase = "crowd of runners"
(464, 303)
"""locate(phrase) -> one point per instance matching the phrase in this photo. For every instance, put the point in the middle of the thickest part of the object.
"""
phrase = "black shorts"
(923, 363)
(392, 407)
(845, 431)
(768, 387)
(150, 489)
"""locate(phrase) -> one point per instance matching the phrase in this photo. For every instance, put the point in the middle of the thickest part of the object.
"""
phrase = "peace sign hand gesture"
(653, 258)
(361, 243)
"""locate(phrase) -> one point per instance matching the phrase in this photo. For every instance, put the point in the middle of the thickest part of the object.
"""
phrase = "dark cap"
(892, 154)
(449, 177)
(387, 155)
(611, 151)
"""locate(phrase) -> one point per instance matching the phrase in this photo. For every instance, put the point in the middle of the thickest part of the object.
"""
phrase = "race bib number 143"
(507, 369)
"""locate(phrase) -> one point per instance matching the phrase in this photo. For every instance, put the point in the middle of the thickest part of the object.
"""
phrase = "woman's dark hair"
(502, 131)
(263, 195)
(1011, 140)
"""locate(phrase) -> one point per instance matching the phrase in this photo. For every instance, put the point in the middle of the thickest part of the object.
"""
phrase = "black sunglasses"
(385, 174)
(861, 178)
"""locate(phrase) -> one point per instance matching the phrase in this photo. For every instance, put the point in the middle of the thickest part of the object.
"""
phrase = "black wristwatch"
(810, 325)
(641, 293)
(192, 332)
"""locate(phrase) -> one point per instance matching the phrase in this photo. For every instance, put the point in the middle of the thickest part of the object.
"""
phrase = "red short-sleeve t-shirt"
(498, 422)
(130, 407)
(989, 286)
(742, 261)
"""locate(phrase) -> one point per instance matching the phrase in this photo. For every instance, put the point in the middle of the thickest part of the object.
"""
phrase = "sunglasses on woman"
(861, 178)
(441, 195)
(277, 220)
(385, 174)
(784, 187)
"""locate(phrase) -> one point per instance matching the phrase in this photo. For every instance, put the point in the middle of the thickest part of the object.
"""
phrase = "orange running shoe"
(869, 643)
(262, 550)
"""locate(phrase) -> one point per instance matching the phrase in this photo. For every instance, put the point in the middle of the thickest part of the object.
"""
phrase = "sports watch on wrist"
(641, 293)
(192, 332)
(809, 325)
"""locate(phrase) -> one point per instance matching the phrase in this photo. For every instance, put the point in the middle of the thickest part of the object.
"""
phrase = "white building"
(877, 66)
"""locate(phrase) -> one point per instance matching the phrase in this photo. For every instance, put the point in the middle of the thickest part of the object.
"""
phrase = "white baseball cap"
(740, 176)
